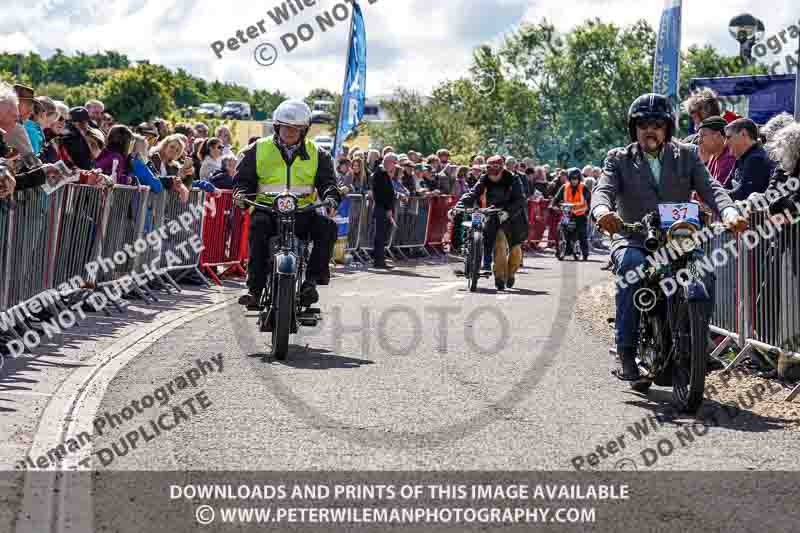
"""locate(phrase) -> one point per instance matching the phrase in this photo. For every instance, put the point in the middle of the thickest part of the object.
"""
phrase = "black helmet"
(574, 173)
(651, 106)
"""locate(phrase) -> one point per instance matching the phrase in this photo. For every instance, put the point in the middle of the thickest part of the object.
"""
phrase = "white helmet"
(292, 113)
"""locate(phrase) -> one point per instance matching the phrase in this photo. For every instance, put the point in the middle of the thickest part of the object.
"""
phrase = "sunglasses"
(652, 124)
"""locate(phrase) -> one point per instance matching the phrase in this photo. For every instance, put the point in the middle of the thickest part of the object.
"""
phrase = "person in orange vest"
(574, 192)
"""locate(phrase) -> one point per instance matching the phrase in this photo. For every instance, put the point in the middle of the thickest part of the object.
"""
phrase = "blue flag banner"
(342, 217)
(666, 78)
(355, 81)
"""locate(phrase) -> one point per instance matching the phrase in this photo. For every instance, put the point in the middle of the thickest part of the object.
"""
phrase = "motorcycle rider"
(654, 168)
(574, 192)
(263, 171)
(505, 233)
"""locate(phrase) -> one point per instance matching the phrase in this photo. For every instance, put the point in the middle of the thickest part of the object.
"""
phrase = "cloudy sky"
(412, 43)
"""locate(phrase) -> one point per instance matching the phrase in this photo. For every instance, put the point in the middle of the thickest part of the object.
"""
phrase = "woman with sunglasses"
(51, 151)
(211, 157)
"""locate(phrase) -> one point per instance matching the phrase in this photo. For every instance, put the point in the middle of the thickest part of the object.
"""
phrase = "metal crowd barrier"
(225, 236)
(355, 216)
(412, 222)
(757, 294)
(49, 241)
(174, 246)
(32, 225)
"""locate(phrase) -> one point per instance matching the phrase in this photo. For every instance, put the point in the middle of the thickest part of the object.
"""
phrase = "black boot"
(630, 371)
(251, 299)
(308, 293)
(500, 284)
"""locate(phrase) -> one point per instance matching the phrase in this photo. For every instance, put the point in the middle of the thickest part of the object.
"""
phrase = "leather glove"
(610, 222)
(238, 199)
(504, 215)
(735, 222)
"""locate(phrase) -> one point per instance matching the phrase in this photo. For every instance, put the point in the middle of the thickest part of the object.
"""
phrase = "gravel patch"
(754, 396)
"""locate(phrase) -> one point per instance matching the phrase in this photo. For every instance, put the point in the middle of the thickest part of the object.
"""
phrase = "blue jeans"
(627, 316)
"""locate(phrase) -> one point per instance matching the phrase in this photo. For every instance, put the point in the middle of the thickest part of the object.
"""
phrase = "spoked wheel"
(263, 314)
(284, 297)
(477, 255)
(649, 349)
(468, 264)
(689, 372)
(561, 250)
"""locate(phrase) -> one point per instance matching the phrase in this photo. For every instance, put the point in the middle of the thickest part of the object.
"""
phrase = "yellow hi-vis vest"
(271, 170)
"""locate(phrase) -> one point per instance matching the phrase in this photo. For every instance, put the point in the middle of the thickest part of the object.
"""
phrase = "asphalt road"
(412, 372)
(409, 372)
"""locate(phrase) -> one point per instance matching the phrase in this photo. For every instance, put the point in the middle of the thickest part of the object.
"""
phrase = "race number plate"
(476, 218)
(671, 213)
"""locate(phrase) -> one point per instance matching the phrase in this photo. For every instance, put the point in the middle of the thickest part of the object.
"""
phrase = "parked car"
(324, 141)
(237, 110)
(209, 110)
(321, 117)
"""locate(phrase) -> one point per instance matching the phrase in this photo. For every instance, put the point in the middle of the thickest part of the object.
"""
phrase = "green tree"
(78, 96)
(138, 94)
(424, 125)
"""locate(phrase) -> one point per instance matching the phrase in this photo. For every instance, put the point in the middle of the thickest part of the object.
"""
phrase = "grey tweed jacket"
(628, 186)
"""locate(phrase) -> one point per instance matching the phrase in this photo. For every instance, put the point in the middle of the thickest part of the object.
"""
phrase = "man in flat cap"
(17, 137)
(719, 158)
(25, 96)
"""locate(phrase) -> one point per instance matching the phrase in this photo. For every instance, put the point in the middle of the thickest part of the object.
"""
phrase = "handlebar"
(484, 210)
(269, 209)
(637, 227)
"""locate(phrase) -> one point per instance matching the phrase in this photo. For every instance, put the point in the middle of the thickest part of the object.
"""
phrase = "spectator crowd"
(42, 139)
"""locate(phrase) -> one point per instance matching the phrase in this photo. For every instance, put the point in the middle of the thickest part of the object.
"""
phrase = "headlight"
(285, 204)
(682, 234)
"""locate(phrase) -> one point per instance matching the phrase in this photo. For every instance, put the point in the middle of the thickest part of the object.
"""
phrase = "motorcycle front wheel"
(284, 303)
(689, 372)
(477, 256)
(561, 247)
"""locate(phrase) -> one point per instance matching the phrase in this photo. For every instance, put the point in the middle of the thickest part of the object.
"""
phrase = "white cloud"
(414, 43)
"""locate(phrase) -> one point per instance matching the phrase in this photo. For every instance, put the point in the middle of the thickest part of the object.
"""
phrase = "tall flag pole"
(355, 81)
(667, 63)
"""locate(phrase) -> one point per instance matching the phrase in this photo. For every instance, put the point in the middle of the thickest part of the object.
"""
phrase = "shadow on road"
(397, 272)
(711, 412)
(21, 374)
(314, 359)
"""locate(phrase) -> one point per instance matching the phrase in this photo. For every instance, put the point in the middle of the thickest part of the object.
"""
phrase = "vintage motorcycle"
(673, 329)
(566, 228)
(472, 245)
(280, 310)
